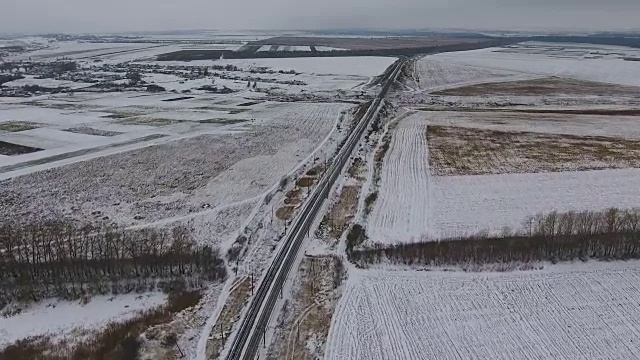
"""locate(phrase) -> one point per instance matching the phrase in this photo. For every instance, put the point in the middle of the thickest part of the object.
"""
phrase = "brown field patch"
(91, 131)
(305, 181)
(285, 212)
(308, 316)
(316, 171)
(11, 149)
(230, 314)
(470, 151)
(541, 87)
(514, 112)
(602, 112)
(294, 197)
(15, 126)
(358, 169)
(147, 121)
(337, 220)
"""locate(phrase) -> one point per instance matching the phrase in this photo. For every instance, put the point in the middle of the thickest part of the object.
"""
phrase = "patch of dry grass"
(286, 212)
(358, 169)
(542, 87)
(308, 316)
(91, 131)
(294, 196)
(16, 126)
(469, 151)
(338, 218)
(11, 149)
(601, 112)
(305, 181)
(147, 121)
(383, 148)
(230, 314)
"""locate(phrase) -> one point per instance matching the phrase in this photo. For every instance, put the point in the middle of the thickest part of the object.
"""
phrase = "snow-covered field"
(111, 52)
(586, 311)
(213, 160)
(615, 126)
(63, 318)
(313, 75)
(466, 205)
(150, 53)
(220, 169)
(402, 212)
(583, 62)
(414, 204)
(296, 48)
(52, 83)
(432, 74)
(79, 50)
(360, 66)
(111, 119)
(566, 311)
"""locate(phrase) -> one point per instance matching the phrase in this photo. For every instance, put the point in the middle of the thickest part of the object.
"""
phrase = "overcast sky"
(134, 15)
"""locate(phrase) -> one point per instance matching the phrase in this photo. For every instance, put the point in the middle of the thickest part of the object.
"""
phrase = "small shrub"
(356, 236)
(283, 183)
(183, 300)
(370, 201)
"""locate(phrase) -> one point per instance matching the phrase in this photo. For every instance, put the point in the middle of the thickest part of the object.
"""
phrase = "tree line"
(610, 235)
(60, 259)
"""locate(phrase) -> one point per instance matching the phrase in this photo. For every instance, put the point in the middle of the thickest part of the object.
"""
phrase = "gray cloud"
(134, 15)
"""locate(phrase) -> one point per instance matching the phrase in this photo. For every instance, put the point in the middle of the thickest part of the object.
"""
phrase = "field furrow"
(565, 312)
(402, 211)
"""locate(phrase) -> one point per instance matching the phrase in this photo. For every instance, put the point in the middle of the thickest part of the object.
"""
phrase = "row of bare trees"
(59, 259)
(608, 235)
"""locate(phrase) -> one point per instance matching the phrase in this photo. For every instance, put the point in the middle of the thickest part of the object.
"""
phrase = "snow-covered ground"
(465, 205)
(297, 48)
(402, 211)
(617, 126)
(328, 48)
(586, 62)
(227, 167)
(41, 49)
(79, 50)
(234, 170)
(314, 75)
(150, 53)
(362, 66)
(415, 205)
(283, 48)
(185, 157)
(51, 83)
(586, 311)
(567, 311)
(62, 318)
(433, 74)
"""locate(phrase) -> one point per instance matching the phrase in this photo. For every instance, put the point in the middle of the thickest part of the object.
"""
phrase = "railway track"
(246, 343)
